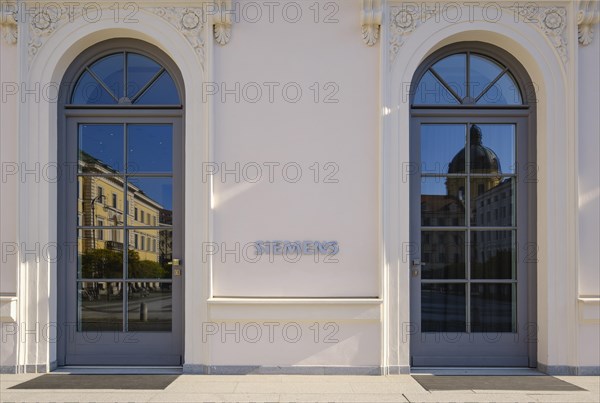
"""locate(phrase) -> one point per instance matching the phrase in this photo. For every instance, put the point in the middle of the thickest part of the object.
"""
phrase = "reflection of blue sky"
(150, 147)
(434, 186)
(103, 142)
(158, 189)
(501, 140)
(441, 142)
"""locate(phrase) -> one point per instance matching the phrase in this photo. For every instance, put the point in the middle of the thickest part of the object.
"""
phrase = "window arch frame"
(106, 48)
(488, 51)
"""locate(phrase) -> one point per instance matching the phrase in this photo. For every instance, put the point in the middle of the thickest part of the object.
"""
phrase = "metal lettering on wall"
(297, 247)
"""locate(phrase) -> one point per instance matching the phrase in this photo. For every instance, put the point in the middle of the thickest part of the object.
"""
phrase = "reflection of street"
(150, 311)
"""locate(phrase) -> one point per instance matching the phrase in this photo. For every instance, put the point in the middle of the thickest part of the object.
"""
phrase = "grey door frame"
(468, 350)
(118, 348)
(528, 168)
(67, 208)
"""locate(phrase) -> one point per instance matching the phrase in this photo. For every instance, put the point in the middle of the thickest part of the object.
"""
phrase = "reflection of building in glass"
(101, 203)
(491, 199)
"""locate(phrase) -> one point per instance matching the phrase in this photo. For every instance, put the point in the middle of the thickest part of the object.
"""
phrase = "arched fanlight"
(125, 78)
(467, 79)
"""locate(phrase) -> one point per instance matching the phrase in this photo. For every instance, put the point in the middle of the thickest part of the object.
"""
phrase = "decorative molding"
(587, 17)
(552, 21)
(188, 21)
(404, 20)
(42, 24)
(222, 22)
(8, 23)
(370, 19)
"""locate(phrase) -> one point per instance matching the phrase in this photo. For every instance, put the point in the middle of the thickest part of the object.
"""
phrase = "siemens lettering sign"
(297, 247)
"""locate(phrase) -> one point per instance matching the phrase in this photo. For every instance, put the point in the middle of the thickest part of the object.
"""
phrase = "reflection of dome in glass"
(483, 159)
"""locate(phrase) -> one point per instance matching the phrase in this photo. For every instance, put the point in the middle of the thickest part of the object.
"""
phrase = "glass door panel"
(125, 204)
(467, 277)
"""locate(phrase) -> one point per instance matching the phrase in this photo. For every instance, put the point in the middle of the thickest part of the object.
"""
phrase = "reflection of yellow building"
(101, 204)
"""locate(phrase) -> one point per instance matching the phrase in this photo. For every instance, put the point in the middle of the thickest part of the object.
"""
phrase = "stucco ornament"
(370, 19)
(552, 21)
(188, 21)
(8, 22)
(403, 21)
(406, 17)
(587, 17)
(222, 22)
(42, 23)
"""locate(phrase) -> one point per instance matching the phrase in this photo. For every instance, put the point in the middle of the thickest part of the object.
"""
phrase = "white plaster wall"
(9, 167)
(589, 168)
(344, 133)
(9, 177)
(589, 203)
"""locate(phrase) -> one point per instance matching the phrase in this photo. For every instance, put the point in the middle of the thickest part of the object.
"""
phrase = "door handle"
(416, 265)
(176, 263)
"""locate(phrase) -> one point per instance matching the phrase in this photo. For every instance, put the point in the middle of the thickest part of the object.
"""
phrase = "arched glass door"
(472, 212)
(122, 129)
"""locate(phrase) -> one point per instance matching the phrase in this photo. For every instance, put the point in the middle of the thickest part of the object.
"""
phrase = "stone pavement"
(295, 388)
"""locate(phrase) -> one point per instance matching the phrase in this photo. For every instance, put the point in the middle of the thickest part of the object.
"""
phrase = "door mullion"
(125, 232)
(468, 226)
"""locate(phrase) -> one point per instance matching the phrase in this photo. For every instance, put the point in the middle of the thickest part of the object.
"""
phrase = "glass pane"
(101, 148)
(150, 148)
(100, 201)
(453, 70)
(162, 92)
(150, 307)
(443, 254)
(100, 258)
(150, 201)
(504, 92)
(442, 148)
(150, 252)
(140, 69)
(89, 92)
(110, 70)
(493, 255)
(493, 308)
(442, 201)
(483, 72)
(431, 92)
(493, 148)
(493, 202)
(100, 306)
(443, 308)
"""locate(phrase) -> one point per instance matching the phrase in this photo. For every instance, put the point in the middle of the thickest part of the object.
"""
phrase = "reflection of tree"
(104, 263)
(144, 268)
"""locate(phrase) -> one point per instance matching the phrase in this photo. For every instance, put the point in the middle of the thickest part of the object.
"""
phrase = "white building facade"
(337, 186)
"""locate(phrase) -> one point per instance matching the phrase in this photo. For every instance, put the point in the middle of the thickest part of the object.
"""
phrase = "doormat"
(494, 382)
(54, 381)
